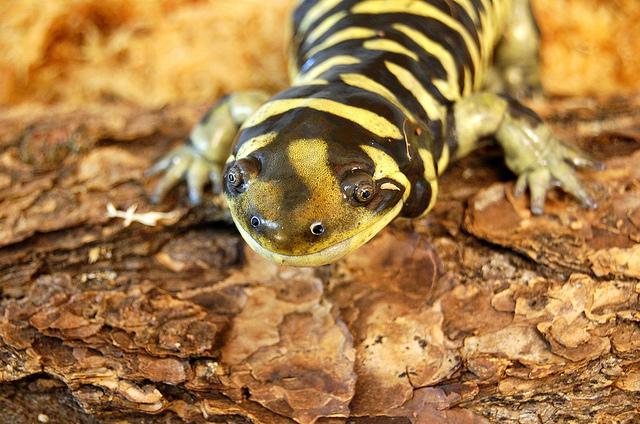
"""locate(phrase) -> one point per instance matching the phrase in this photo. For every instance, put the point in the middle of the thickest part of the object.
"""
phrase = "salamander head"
(309, 202)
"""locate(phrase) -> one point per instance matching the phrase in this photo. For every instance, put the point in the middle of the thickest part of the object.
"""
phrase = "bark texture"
(114, 309)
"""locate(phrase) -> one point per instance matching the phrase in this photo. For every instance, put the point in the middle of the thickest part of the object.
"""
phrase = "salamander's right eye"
(234, 176)
(240, 173)
(364, 191)
(359, 188)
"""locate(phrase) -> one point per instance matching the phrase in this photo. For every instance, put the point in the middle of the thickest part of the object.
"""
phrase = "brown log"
(478, 313)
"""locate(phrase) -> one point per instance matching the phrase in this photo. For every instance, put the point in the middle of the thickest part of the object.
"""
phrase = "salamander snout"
(282, 231)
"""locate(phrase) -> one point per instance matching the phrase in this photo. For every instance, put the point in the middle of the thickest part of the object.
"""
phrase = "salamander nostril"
(317, 229)
(255, 222)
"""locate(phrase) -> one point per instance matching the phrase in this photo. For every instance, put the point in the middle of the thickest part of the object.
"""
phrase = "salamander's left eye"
(359, 187)
(364, 191)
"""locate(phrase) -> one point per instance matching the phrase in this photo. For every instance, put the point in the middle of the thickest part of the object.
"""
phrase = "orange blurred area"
(590, 47)
(166, 51)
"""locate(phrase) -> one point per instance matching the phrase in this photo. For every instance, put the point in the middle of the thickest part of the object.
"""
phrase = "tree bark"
(479, 312)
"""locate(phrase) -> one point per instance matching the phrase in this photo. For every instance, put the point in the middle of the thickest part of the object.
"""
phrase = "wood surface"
(478, 313)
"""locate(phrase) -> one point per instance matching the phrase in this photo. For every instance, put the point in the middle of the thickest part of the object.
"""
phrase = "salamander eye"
(239, 174)
(359, 188)
(363, 192)
(234, 177)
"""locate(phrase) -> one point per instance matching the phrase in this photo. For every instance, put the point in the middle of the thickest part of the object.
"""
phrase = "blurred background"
(159, 52)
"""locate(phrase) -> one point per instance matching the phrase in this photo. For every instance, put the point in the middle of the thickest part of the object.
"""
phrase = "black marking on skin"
(479, 9)
(348, 95)
(520, 111)
(426, 59)
(436, 128)
(344, 5)
(423, 78)
(460, 14)
(419, 200)
(344, 137)
(301, 11)
(380, 74)
(368, 100)
(415, 69)
(343, 48)
(373, 67)
(422, 137)
(433, 29)
(478, 6)
(429, 63)
(339, 132)
(419, 136)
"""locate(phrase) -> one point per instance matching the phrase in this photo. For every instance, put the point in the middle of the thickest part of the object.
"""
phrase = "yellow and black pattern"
(384, 94)
(376, 72)
(370, 100)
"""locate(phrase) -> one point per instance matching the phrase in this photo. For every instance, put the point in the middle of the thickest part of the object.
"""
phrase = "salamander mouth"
(327, 255)
(321, 257)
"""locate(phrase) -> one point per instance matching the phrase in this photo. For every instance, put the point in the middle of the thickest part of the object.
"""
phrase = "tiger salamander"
(384, 94)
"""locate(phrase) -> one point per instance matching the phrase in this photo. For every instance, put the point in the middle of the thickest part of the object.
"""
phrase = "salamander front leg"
(540, 160)
(203, 157)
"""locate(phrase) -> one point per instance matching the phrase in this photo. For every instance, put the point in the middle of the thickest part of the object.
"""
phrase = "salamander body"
(384, 94)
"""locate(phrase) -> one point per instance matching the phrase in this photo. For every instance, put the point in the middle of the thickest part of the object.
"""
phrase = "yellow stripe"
(321, 68)
(366, 83)
(373, 122)
(492, 12)
(434, 109)
(444, 159)
(324, 26)
(429, 164)
(313, 14)
(468, 83)
(488, 36)
(447, 90)
(434, 197)
(255, 143)
(353, 33)
(430, 176)
(443, 55)
(387, 167)
(420, 8)
(389, 46)
(470, 9)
